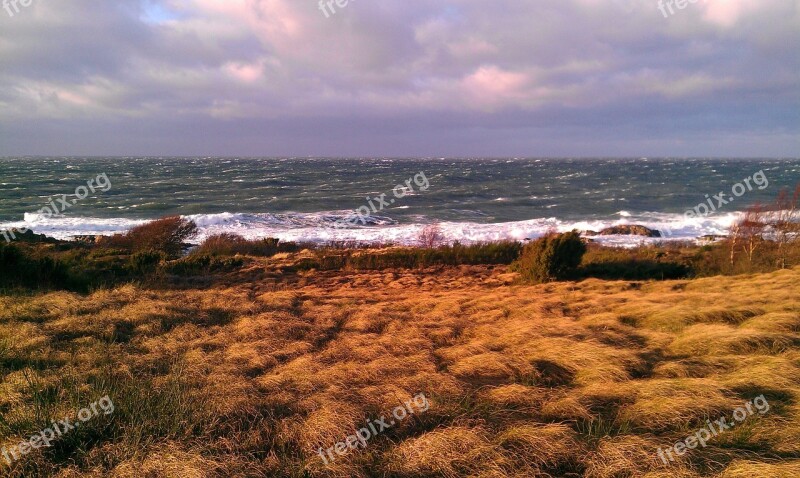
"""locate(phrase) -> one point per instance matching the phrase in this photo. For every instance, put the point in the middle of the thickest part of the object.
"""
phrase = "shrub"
(145, 262)
(637, 269)
(503, 252)
(552, 257)
(670, 260)
(19, 268)
(195, 264)
(166, 235)
(118, 243)
(409, 258)
(231, 244)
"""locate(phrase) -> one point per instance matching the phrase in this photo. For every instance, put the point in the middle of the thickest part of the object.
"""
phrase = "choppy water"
(302, 199)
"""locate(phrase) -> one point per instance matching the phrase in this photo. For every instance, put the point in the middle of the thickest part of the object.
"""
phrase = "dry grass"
(250, 376)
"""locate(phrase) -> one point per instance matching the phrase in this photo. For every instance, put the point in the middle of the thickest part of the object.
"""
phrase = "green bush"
(418, 257)
(231, 244)
(670, 260)
(20, 268)
(145, 262)
(202, 264)
(552, 257)
(637, 269)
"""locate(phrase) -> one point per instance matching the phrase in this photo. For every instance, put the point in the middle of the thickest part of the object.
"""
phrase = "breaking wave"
(323, 227)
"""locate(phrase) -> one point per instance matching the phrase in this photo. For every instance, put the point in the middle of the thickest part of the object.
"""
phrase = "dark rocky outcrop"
(26, 236)
(712, 238)
(86, 239)
(625, 230)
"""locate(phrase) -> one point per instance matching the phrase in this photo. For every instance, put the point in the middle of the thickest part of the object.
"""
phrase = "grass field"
(250, 372)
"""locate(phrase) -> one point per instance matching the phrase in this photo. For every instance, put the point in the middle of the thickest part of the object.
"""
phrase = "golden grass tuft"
(517, 396)
(706, 339)
(169, 461)
(449, 453)
(542, 447)
(675, 403)
(629, 456)
(749, 469)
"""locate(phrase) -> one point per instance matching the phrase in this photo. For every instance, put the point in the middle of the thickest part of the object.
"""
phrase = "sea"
(388, 200)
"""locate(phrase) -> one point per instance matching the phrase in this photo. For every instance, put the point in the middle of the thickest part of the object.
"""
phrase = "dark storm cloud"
(392, 77)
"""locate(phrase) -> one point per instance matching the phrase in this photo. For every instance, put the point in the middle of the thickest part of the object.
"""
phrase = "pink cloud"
(247, 73)
(727, 13)
(492, 87)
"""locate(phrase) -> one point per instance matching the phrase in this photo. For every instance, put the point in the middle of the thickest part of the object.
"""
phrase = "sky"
(533, 78)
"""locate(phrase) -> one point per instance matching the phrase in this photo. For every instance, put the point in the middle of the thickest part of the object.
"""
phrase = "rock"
(87, 239)
(26, 236)
(630, 230)
(711, 238)
(590, 233)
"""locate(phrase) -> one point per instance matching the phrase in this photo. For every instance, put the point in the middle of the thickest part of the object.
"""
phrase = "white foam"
(63, 227)
(322, 227)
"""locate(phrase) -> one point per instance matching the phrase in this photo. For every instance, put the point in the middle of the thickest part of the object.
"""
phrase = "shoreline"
(625, 235)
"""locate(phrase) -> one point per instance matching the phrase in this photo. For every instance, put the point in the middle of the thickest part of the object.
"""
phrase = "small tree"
(733, 242)
(552, 257)
(784, 220)
(431, 236)
(751, 230)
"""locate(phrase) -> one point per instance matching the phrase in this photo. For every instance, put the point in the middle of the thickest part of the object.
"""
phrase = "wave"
(327, 226)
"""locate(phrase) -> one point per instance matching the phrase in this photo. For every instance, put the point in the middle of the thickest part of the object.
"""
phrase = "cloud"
(399, 77)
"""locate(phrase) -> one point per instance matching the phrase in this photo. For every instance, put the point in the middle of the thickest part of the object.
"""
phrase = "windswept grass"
(249, 372)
